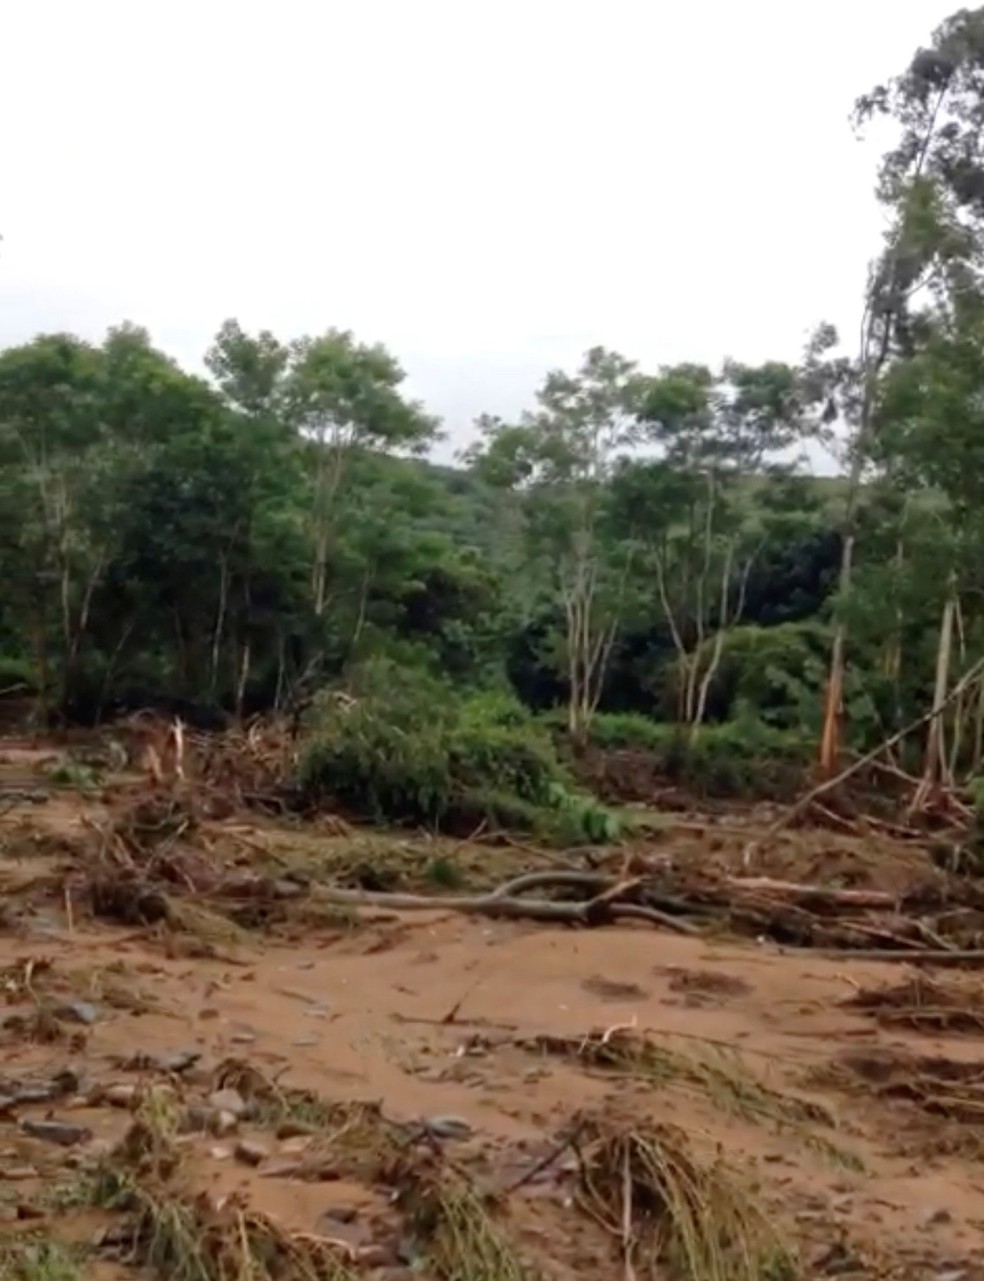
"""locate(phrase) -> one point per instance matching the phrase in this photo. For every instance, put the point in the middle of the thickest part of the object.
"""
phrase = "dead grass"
(349, 1136)
(461, 1234)
(183, 1237)
(714, 1072)
(938, 1086)
(924, 1005)
(671, 1213)
(37, 1258)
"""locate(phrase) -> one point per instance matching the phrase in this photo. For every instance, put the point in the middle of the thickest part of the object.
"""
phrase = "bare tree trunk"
(934, 762)
(242, 681)
(683, 657)
(718, 648)
(219, 628)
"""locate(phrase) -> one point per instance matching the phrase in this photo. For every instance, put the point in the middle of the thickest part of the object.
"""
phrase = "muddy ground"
(307, 1081)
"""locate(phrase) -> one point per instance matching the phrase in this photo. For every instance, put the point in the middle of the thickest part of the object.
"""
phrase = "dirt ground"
(859, 1136)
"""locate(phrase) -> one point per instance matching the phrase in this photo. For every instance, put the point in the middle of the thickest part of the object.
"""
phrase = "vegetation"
(642, 544)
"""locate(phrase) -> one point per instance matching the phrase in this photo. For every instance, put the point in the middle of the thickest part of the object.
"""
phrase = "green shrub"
(17, 675)
(407, 747)
(741, 758)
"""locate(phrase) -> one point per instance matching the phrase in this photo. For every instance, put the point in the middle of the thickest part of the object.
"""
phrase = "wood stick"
(828, 784)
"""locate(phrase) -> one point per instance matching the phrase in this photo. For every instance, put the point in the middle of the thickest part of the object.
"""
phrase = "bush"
(777, 675)
(17, 676)
(407, 747)
(741, 758)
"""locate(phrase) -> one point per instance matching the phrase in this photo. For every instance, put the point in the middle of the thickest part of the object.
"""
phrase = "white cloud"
(488, 188)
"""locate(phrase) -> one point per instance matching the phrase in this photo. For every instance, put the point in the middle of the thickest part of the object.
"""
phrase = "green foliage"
(237, 543)
(741, 758)
(401, 748)
(408, 748)
(17, 675)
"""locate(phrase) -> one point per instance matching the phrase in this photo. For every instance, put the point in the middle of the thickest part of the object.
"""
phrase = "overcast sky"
(488, 188)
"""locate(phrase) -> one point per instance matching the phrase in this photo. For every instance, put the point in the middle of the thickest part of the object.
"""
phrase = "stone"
(250, 1152)
(224, 1123)
(64, 1133)
(227, 1101)
(291, 1129)
(448, 1127)
(937, 1218)
(83, 1012)
(120, 1096)
(17, 1173)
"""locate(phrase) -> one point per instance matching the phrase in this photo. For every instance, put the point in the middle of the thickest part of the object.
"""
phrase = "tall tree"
(563, 454)
(931, 184)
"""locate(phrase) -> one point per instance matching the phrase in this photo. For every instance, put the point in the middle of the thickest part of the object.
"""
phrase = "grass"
(182, 1237)
(717, 1073)
(923, 1004)
(39, 1259)
(460, 1236)
(672, 1214)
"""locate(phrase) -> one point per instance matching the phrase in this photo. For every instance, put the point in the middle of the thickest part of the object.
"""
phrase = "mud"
(430, 1018)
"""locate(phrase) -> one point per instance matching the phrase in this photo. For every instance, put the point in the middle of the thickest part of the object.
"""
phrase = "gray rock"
(196, 1120)
(250, 1152)
(448, 1127)
(224, 1123)
(228, 1101)
(64, 1133)
(120, 1096)
(35, 1093)
(77, 1012)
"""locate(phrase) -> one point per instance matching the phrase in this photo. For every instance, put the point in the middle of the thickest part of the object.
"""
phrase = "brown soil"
(862, 1143)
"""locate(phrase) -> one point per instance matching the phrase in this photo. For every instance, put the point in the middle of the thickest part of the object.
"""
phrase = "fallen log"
(504, 903)
(792, 891)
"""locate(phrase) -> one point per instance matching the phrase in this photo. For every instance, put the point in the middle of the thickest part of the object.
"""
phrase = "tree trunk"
(935, 771)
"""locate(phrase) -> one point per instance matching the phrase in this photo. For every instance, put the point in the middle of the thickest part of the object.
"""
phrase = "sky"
(487, 188)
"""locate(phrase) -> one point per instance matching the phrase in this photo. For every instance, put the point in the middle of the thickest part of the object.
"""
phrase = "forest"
(644, 559)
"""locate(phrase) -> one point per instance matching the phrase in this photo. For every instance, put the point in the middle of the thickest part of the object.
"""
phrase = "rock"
(299, 1143)
(16, 1173)
(77, 1012)
(196, 1120)
(837, 1261)
(288, 889)
(250, 1152)
(63, 1133)
(220, 1153)
(228, 1101)
(35, 1093)
(290, 1129)
(243, 1038)
(223, 1123)
(178, 1061)
(954, 1274)
(341, 1214)
(448, 1127)
(938, 1217)
(120, 1096)
(26, 1211)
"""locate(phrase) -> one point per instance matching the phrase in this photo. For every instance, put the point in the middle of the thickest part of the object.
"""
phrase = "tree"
(694, 513)
(562, 456)
(931, 183)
